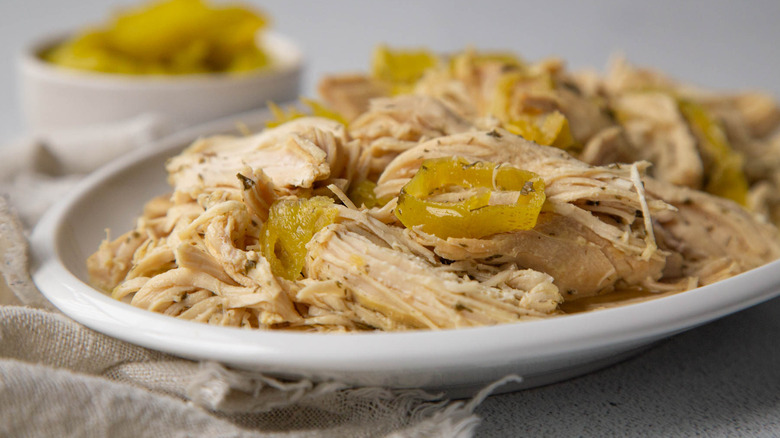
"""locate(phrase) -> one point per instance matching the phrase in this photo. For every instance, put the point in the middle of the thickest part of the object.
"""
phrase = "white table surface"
(722, 379)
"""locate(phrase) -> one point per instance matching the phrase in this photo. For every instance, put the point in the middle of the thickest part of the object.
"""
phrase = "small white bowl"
(55, 98)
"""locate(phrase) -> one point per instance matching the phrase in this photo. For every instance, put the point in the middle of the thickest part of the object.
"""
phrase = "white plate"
(457, 361)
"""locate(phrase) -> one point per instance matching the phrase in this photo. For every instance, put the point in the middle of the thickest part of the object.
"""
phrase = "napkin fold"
(59, 378)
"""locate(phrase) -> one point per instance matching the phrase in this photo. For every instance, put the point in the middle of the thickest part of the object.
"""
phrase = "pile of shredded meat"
(650, 188)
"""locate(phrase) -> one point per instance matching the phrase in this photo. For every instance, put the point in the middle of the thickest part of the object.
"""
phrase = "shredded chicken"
(399, 290)
(298, 227)
(589, 238)
(708, 231)
(392, 126)
(653, 120)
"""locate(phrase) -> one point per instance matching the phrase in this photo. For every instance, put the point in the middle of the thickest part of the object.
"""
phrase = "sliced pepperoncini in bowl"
(450, 197)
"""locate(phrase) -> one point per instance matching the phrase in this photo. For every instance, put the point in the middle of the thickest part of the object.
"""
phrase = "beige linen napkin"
(59, 378)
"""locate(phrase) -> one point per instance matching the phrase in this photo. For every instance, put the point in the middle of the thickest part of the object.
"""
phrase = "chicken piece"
(109, 265)
(349, 95)
(198, 258)
(756, 113)
(393, 125)
(468, 87)
(764, 200)
(152, 257)
(409, 118)
(760, 112)
(115, 260)
(168, 293)
(586, 118)
(622, 77)
(294, 155)
(258, 192)
(589, 82)
(157, 207)
(394, 290)
(454, 94)
(716, 237)
(653, 121)
(581, 263)
(595, 217)
(476, 88)
(760, 152)
(216, 259)
(746, 119)
(610, 145)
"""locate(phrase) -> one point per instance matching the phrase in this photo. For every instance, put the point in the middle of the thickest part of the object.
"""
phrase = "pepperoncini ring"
(291, 225)
(488, 198)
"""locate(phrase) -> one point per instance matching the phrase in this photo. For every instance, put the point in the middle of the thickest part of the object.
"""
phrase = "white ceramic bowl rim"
(285, 54)
(469, 347)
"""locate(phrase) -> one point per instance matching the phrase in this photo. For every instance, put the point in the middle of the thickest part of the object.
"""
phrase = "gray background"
(724, 44)
(722, 379)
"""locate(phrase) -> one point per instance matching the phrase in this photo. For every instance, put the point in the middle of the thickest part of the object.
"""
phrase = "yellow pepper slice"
(507, 84)
(550, 129)
(290, 226)
(483, 212)
(547, 129)
(725, 176)
(363, 193)
(316, 109)
(401, 68)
